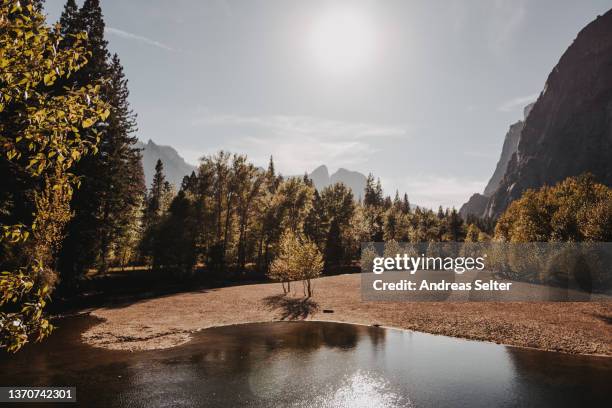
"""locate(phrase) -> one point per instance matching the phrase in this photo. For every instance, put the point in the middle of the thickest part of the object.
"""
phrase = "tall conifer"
(112, 181)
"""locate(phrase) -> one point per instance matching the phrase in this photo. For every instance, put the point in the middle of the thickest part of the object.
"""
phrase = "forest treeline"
(228, 218)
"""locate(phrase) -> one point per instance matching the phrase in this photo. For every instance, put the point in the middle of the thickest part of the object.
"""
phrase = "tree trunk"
(242, 240)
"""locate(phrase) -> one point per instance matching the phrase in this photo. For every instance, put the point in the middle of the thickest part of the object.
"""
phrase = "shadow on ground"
(604, 318)
(292, 308)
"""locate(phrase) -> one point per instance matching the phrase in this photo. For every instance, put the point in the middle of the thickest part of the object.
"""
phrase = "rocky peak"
(567, 132)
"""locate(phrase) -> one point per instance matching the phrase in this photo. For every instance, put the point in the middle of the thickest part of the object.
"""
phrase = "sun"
(342, 40)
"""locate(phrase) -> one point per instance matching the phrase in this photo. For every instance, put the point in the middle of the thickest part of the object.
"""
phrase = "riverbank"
(167, 321)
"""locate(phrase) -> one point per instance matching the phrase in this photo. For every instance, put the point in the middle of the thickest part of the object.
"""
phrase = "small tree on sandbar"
(298, 259)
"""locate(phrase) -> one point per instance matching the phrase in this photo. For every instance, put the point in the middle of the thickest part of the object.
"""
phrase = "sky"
(419, 93)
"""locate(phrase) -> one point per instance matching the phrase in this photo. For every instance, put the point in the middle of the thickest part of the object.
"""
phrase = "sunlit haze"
(343, 39)
(419, 93)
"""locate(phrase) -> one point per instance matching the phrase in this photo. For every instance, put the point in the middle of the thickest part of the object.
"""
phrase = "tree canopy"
(41, 140)
(576, 209)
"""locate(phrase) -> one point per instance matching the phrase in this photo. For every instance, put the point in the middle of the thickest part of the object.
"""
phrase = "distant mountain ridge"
(175, 167)
(352, 179)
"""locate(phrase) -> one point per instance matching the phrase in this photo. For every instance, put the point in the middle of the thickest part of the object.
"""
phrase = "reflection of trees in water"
(253, 359)
(313, 335)
(236, 347)
(377, 335)
(583, 378)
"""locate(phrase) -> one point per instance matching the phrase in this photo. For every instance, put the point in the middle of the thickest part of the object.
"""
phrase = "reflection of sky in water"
(360, 390)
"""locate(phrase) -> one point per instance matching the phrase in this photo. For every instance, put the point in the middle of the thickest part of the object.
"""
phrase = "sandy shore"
(584, 328)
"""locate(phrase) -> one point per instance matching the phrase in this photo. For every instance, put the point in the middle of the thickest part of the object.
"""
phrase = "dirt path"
(168, 321)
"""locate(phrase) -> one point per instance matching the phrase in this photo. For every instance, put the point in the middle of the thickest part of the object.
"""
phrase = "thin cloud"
(298, 143)
(136, 37)
(304, 125)
(517, 103)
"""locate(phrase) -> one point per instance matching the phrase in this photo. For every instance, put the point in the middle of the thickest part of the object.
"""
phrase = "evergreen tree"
(122, 171)
(316, 222)
(339, 207)
(390, 230)
(387, 203)
(379, 192)
(155, 196)
(371, 194)
(153, 210)
(397, 203)
(455, 227)
(333, 247)
(190, 183)
(405, 208)
(113, 180)
(272, 180)
(174, 240)
(69, 20)
(81, 247)
(91, 20)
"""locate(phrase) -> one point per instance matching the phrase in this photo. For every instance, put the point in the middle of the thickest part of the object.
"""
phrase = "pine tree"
(405, 204)
(153, 211)
(387, 203)
(81, 247)
(174, 241)
(155, 196)
(379, 191)
(91, 20)
(316, 222)
(113, 180)
(272, 180)
(455, 226)
(121, 168)
(371, 197)
(69, 20)
(333, 247)
(397, 203)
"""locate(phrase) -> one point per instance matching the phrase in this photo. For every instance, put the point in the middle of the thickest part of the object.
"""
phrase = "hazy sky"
(420, 93)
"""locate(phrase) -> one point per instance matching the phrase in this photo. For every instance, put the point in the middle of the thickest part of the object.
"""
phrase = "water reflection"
(360, 390)
(574, 378)
(304, 364)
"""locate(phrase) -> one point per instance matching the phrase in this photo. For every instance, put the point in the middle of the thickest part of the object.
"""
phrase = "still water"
(310, 364)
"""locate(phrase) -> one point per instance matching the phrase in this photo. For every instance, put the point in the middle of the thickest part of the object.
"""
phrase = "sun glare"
(342, 40)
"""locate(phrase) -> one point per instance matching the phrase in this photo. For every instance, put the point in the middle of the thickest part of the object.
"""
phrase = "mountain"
(569, 129)
(352, 179)
(566, 132)
(320, 177)
(175, 167)
(477, 204)
(509, 148)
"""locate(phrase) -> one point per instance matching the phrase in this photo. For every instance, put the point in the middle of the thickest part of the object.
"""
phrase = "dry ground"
(162, 322)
